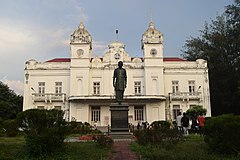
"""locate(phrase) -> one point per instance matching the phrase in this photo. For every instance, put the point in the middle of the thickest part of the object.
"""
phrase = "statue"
(119, 82)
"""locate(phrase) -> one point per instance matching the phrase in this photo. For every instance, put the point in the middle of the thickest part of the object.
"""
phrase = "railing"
(185, 96)
(49, 97)
(111, 97)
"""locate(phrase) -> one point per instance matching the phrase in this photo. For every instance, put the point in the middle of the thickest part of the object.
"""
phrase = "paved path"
(121, 151)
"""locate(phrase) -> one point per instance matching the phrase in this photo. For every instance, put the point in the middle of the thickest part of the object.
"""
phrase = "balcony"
(185, 96)
(49, 97)
(107, 99)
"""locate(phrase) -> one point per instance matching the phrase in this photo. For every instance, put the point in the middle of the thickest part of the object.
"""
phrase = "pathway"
(121, 151)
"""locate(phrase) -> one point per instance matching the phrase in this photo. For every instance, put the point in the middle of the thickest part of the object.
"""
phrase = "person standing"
(201, 122)
(185, 123)
(194, 126)
(179, 123)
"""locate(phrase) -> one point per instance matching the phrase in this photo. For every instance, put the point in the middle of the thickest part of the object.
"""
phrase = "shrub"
(159, 133)
(81, 128)
(160, 125)
(1, 121)
(222, 134)
(1, 127)
(45, 131)
(11, 128)
(104, 141)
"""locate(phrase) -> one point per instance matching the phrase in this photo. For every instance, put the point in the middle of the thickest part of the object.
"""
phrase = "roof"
(60, 60)
(171, 59)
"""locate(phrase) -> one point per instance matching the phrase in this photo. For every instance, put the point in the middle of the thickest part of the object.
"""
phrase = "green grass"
(14, 149)
(192, 148)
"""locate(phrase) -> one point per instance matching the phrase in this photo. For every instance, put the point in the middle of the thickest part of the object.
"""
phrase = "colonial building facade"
(82, 85)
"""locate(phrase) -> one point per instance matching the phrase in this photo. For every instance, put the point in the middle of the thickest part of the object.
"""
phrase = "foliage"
(158, 133)
(192, 148)
(81, 128)
(160, 124)
(45, 131)
(222, 134)
(196, 111)
(14, 148)
(10, 103)
(219, 44)
(11, 127)
(104, 141)
(1, 127)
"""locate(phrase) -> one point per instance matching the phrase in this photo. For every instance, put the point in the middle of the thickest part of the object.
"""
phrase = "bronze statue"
(119, 82)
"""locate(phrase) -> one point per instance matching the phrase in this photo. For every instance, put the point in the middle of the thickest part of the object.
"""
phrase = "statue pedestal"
(119, 117)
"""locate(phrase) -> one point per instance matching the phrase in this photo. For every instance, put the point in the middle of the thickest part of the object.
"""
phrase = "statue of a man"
(119, 81)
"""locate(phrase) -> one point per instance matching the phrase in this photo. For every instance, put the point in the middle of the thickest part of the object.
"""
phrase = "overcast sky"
(41, 29)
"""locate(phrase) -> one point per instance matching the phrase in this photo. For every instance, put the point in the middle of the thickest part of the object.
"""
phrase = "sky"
(41, 29)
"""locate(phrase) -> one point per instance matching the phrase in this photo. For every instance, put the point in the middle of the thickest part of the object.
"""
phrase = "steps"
(118, 136)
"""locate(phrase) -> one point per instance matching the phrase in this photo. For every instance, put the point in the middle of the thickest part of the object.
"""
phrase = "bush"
(45, 131)
(81, 128)
(104, 141)
(11, 128)
(1, 127)
(160, 125)
(158, 133)
(222, 134)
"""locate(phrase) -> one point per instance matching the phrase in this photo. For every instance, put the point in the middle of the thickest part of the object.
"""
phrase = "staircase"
(121, 136)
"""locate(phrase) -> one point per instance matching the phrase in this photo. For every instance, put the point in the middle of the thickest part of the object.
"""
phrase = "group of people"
(184, 126)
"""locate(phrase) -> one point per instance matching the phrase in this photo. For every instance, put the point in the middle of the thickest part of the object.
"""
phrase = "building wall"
(81, 70)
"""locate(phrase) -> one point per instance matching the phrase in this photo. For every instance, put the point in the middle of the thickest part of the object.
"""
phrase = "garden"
(219, 142)
(41, 134)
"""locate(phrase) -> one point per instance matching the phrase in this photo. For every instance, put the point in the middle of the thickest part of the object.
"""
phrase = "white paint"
(155, 75)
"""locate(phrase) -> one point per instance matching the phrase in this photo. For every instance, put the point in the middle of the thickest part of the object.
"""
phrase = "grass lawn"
(14, 148)
(193, 148)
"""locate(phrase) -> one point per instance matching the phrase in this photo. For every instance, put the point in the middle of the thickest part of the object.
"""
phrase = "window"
(57, 107)
(96, 88)
(40, 107)
(138, 113)
(176, 110)
(58, 88)
(137, 87)
(191, 86)
(95, 114)
(41, 88)
(175, 87)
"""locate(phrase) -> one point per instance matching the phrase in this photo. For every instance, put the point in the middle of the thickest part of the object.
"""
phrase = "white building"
(157, 88)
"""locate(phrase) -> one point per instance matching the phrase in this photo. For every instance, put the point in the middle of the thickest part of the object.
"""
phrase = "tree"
(196, 111)
(10, 102)
(219, 44)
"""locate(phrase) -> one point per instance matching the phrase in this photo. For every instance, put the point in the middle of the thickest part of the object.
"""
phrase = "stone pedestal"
(119, 117)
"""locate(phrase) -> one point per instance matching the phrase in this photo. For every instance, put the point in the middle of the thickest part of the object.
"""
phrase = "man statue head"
(120, 64)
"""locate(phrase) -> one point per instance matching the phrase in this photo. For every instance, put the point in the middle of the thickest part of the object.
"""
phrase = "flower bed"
(87, 137)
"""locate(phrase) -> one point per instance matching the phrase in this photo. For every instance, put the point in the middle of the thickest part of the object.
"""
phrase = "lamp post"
(169, 109)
